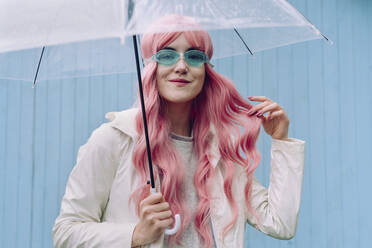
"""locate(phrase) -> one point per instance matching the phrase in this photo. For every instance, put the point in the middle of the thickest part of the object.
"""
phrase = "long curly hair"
(219, 105)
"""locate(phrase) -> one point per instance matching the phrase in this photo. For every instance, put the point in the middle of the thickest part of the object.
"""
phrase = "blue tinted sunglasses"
(170, 57)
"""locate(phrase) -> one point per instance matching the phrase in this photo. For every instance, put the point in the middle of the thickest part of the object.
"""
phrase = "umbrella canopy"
(262, 24)
(98, 29)
(29, 24)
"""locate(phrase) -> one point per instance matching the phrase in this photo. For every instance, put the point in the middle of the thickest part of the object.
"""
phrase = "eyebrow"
(170, 48)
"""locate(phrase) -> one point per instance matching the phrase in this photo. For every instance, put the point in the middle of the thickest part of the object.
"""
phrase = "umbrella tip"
(328, 40)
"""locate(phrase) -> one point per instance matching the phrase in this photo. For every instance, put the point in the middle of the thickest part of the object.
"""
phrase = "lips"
(179, 80)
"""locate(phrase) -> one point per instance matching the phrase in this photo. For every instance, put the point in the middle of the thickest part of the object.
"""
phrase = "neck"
(178, 115)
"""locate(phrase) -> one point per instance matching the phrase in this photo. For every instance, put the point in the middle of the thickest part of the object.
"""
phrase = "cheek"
(161, 84)
(161, 75)
(201, 78)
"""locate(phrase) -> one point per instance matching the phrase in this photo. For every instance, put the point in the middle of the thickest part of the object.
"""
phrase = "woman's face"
(180, 83)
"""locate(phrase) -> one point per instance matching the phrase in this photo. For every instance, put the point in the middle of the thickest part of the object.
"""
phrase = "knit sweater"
(184, 147)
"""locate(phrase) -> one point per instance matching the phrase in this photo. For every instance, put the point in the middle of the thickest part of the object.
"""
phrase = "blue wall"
(325, 90)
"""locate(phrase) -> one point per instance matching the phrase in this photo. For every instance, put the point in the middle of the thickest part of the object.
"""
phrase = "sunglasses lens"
(167, 57)
(195, 57)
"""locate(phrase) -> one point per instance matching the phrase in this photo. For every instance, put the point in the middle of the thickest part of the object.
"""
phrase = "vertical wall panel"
(39, 188)
(362, 84)
(315, 144)
(81, 111)
(3, 152)
(334, 184)
(24, 180)
(97, 87)
(12, 165)
(52, 159)
(347, 125)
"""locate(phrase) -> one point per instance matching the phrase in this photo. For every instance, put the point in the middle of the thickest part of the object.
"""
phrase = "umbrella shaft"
(152, 181)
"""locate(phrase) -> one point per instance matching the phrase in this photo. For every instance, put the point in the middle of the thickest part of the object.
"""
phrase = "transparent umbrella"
(54, 30)
(95, 31)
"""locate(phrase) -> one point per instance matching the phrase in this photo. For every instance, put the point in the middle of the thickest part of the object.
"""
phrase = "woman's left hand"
(276, 122)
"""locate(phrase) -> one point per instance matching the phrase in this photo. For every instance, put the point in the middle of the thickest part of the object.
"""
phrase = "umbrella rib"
(38, 67)
(311, 25)
(152, 181)
(236, 31)
(241, 38)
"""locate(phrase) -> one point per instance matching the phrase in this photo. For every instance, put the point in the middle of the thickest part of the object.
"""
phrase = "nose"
(181, 66)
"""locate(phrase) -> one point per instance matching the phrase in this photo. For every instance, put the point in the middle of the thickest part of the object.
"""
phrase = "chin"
(179, 99)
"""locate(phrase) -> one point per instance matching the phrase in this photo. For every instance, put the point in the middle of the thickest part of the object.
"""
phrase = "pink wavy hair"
(219, 104)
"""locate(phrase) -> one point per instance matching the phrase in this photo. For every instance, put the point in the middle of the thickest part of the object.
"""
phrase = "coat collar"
(125, 121)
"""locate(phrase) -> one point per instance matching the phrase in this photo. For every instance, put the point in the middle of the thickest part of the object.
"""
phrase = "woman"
(203, 164)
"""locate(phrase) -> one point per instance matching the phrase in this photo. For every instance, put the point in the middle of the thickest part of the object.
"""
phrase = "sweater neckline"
(181, 138)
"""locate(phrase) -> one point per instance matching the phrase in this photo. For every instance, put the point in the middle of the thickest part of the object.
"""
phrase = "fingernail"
(259, 114)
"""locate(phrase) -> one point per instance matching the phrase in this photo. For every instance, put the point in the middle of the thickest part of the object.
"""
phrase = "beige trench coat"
(95, 211)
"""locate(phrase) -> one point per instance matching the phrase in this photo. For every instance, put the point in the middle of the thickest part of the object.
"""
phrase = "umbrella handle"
(176, 226)
(177, 219)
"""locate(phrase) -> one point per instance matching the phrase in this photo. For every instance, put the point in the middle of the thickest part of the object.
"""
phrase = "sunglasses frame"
(205, 57)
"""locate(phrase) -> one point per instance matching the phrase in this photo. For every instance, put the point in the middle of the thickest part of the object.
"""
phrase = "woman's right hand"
(155, 217)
